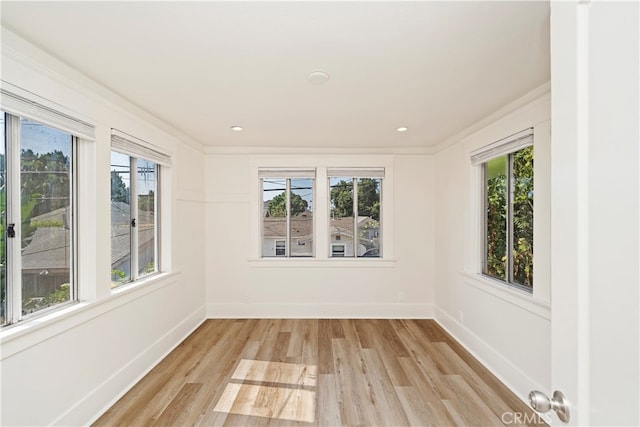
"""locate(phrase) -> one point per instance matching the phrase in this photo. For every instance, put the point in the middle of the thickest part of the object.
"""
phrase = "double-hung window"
(508, 188)
(355, 212)
(135, 175)
(287, 213)
(37, 207)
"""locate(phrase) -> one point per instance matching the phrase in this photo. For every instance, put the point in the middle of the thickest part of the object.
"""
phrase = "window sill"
(28, 333)
(326, 262)
(515, 296)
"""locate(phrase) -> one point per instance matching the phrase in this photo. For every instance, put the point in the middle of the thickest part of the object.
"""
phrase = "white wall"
(67, 367)
(240, 284)
(508, 330)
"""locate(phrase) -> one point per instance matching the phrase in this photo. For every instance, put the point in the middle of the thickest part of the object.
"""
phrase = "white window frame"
(356, 174)
(138, 149)
(339, 253)
(508, 153)
(535, 115)
(18, 103)
(288, 175)
(321, 163)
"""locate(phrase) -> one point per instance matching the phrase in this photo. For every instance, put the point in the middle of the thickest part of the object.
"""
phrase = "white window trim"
(321, 163)
(539, 300)
(508, 145)
(287, 175)
(355, 174)
(14, 263)
(22, 103)
(137, 148)
(122, 142)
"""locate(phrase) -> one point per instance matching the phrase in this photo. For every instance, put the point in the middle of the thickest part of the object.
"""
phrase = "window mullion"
(287, 248)
(355, 217)
(484, 221)
(134, 217)
(13, 249)
(73, 221)
(510, 190)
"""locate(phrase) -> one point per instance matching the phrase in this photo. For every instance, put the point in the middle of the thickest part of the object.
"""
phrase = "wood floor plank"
(354, 393)
(180, 407)
(390, 359)
(317, 372)
(325, 348)
(383, 395)
(328, 404)
(428, 395)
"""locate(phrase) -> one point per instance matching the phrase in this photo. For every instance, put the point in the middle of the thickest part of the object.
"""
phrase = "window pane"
(369, 217)
(120, 219)
(496, 217)
(341, 216)
(146, 220)
(46, 217)
(3, 224)
(301, 231)
(274, 224)
(523, 217)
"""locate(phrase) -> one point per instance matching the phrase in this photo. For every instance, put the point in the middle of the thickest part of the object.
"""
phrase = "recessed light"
(237, 128)
(318, 77)
(402, 129)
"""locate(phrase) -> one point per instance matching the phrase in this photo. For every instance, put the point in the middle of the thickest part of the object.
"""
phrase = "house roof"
(302, 227)
(49, 247)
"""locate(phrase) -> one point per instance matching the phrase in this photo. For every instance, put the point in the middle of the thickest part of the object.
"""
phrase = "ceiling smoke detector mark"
(237, 128)
(318, 77)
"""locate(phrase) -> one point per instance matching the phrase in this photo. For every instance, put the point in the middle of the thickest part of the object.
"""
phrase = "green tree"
(45, 179)
(522, 214)
(146, 202)
(368, 198)
(119, 191)
(278, 205)
(497, 226)
(523, 217)
(342, 199)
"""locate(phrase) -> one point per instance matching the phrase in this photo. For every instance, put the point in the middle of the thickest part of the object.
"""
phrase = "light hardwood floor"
(319, 373)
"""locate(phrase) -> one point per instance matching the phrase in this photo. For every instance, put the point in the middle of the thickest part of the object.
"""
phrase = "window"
(287, 213)
(355, 212)
(337, 250)
(135, 173)
(37, 217)
(508, 189)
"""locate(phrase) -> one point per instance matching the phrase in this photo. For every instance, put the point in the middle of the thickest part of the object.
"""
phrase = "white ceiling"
(436, 67)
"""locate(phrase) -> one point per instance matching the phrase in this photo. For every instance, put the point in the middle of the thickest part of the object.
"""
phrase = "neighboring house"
(121, 238)
(342, 236)
(46, 256)
(275, 236)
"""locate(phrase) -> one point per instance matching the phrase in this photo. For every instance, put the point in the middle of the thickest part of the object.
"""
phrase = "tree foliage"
(368, 198)
(277, 207)
(44, 181)
(44, 187)
(523, 217)
(119, 190)
(522, 214)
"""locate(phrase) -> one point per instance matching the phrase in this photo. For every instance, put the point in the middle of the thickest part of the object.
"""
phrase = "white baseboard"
(320, 311)
(512, 376)
(100, 399)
